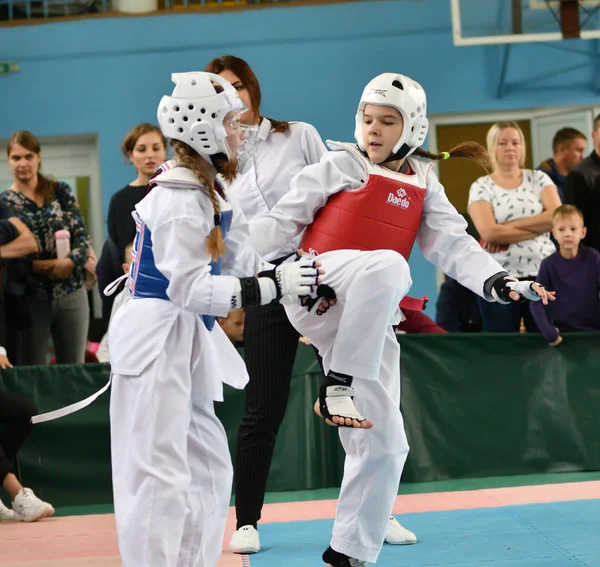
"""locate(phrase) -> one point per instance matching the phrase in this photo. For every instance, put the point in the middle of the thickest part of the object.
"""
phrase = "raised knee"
(392, 269)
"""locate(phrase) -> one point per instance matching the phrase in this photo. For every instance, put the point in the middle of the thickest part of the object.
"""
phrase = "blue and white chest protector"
(146, 281)
(177, 291)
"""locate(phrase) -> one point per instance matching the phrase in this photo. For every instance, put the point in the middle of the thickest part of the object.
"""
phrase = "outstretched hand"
(531, 291)
(507, 288)
(543, 293)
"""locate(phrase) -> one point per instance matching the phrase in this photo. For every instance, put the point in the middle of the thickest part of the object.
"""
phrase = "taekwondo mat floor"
(538, 521)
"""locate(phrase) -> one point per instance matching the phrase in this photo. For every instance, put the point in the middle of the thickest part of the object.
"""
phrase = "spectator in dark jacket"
(568, 149)
(16, 242)
(582, 189)
(146, 148)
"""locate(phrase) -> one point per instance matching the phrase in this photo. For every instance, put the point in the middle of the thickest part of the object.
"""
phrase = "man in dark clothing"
(568, 149)
(16, 241)
(582, 189)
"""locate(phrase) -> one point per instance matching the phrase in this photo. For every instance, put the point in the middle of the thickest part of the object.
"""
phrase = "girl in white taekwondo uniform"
(270, 341)
(364, 207)
(171, 466)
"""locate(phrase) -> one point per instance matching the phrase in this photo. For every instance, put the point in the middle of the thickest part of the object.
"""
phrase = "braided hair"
(187, 157)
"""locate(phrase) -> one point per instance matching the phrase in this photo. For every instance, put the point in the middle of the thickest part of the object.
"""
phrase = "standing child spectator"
(573, 272)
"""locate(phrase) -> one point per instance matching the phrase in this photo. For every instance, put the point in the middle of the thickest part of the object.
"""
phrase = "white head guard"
(408, 98)
(194, 113)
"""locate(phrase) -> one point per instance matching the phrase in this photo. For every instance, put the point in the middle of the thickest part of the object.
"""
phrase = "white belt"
(56, 414)
(51, 415)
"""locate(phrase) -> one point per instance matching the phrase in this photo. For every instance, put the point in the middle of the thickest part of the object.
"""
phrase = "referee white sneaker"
(245, 540)
(396, 534)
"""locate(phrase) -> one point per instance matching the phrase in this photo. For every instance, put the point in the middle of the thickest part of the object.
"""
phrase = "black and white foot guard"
(336, 559)
(336, 399)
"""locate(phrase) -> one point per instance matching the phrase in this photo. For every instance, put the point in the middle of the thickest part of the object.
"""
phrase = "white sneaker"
(397, 535)
(5, 513)
(245, 540)
(29, 508)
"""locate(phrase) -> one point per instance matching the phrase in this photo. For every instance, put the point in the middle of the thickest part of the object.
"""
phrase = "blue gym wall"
(105, 75)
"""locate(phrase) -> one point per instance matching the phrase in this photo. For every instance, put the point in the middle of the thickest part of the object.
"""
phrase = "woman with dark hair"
(49, 209)
(270, 341)
(145, 147)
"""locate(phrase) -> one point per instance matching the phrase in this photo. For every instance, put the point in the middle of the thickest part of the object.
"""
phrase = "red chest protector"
(384, 214)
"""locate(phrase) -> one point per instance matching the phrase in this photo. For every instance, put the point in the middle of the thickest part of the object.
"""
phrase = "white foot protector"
(338, 401)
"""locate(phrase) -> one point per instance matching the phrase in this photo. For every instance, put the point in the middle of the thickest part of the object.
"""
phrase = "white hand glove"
(524, 289)
(294, 278)
(504, 286)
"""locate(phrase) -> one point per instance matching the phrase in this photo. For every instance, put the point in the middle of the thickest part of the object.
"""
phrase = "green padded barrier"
(474, 406)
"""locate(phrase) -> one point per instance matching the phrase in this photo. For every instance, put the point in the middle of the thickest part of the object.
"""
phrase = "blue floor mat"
(561, 534)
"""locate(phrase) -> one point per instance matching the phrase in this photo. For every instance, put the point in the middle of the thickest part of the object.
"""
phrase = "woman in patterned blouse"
(59, 304)
(512, 210)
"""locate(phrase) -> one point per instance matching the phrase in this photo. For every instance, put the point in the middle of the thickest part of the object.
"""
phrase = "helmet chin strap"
(400, 154)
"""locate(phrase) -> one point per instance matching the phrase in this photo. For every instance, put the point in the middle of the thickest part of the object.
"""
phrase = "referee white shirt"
(277, 159)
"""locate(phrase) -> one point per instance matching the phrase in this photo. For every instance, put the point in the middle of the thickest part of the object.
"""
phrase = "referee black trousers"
(270, 345)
